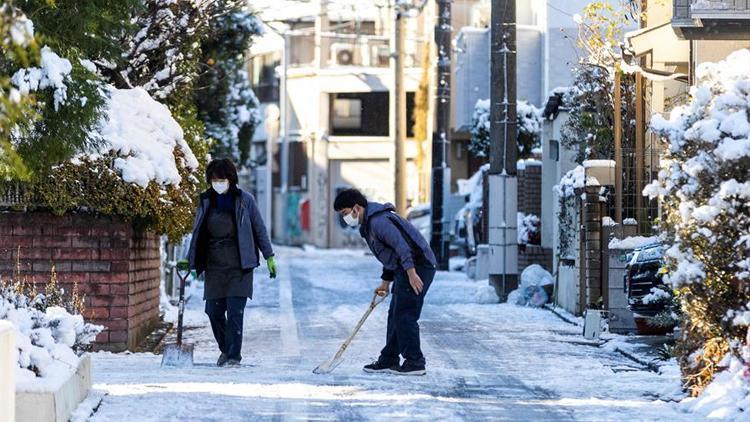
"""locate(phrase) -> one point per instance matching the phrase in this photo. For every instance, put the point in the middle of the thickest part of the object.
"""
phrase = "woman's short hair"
(348, 198)
(222, 168)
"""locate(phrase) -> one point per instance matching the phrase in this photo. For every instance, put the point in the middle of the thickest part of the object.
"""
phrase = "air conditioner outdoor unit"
(342, 54)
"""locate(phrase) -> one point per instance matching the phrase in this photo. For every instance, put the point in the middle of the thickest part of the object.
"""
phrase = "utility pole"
(284, 129)
(501, 203)
(399, 109)
(441, 175)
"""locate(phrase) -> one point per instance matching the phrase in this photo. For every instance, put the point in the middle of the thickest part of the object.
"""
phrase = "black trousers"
(402, 336)
(226, 316)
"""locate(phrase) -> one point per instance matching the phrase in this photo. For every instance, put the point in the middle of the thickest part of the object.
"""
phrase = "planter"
(57, 404)
(8, 363)
(116, 266)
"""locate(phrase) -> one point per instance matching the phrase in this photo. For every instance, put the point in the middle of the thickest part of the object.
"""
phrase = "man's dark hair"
(348, 198)
(222, 168)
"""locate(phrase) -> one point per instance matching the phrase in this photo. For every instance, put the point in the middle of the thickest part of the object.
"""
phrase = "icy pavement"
(496, 362)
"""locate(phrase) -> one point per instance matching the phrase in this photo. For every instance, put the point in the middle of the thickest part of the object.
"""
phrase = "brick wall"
(530, 189)
(534, 254)
(116, 267)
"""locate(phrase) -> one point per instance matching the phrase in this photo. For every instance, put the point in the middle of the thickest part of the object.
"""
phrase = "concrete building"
(330, 100)
(546, 52)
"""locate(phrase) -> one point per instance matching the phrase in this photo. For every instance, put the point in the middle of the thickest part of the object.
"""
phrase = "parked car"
(467, 223)
(421, 217)
(648, 294)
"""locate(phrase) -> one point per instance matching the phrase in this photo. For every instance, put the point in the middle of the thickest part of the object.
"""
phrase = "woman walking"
(227, 235)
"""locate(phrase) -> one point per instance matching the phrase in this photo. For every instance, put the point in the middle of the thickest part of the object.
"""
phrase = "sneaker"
(233, 363)
(222, 360)
(377, 367)
(409, 368)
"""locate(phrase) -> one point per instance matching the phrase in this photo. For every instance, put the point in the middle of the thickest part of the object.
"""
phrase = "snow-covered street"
(493, 361)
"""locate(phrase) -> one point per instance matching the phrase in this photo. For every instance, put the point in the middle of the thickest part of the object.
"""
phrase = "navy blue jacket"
(251, 231)
(395, 242)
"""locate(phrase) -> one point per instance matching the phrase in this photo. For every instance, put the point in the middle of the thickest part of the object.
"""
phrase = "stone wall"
(115, 266)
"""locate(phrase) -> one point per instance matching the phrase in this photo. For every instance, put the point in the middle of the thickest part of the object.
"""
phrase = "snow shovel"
(179, 354)
(329, 366)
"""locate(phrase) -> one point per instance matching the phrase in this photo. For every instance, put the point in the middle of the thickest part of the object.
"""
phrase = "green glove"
(271, 262)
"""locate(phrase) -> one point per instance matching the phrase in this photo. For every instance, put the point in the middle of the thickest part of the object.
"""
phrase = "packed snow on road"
(484, 361)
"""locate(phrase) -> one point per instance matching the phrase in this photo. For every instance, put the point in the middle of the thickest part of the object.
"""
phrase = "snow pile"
(528, 229)
(54, 73)
(47, 338)
(728, 396)
(144, 136)
(485, 294)
(633, 242)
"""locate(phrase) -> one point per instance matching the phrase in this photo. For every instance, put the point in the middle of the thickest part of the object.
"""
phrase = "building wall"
(116, 268)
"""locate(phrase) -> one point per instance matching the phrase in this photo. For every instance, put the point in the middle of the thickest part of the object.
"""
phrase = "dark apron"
(224, 275)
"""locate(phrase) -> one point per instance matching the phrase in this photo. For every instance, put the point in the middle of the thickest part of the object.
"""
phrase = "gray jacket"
(395, 242)
(251, 232)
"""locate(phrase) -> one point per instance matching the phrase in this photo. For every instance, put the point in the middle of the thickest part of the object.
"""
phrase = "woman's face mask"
(351, 219)
(220, 186)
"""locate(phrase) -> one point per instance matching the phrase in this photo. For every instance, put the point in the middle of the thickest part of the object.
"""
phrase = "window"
(298, 164)
(366, 114)
(554, 150)
(347, 113)
(264, 78)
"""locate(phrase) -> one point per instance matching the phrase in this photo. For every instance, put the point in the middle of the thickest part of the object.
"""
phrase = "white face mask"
(351, 220)
(220, 187)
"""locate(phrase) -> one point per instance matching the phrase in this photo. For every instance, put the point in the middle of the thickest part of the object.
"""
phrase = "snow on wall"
(144, 136)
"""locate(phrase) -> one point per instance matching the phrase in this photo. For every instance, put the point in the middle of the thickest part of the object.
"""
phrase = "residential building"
(328, 107)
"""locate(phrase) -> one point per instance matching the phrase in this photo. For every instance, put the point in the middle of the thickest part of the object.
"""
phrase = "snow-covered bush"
(49, 337)
(528, 229)
(226, 103)
(528, 125)
(18, 45)
(568, 210)
(67, 98)
(142, 169)
(704, 188)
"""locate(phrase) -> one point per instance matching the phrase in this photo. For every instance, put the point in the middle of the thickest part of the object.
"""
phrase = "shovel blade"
(178, 356)
(328, 367)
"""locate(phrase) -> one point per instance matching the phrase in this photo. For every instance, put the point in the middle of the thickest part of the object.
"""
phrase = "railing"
(350, 50)
(12, 194)
(687, 10)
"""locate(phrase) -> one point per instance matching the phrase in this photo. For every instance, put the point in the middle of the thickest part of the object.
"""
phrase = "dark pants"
(402, 336)
(226, 316)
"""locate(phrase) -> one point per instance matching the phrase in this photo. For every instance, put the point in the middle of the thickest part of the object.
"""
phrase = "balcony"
(349, 50)
(711, 19)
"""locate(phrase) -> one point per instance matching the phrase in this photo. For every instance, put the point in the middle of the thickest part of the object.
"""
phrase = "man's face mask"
(351, 219)
(220, 186)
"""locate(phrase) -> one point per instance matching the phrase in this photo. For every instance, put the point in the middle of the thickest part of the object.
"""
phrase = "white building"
(335, 114)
